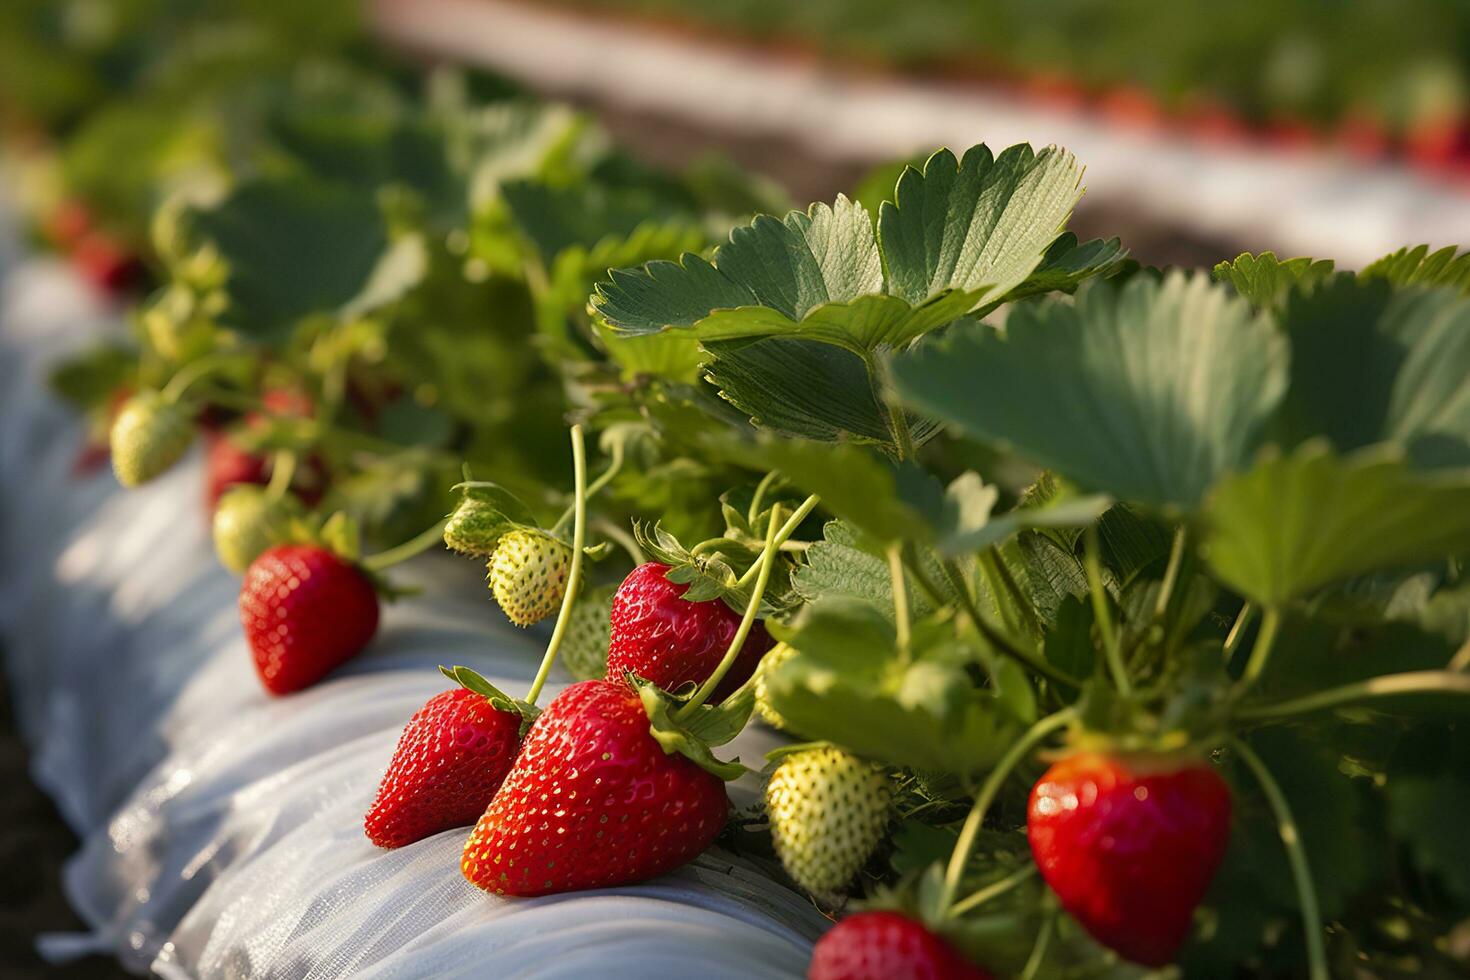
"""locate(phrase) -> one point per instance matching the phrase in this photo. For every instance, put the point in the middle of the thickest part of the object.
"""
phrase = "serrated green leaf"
(294, 247)
(961, 233)
(847, 684)
(840, 565)
(979, 223)
(1418, 266)
(1068, 263)
(1265, 280)
(1373, 365)
(1149, 392)
(1294, 523)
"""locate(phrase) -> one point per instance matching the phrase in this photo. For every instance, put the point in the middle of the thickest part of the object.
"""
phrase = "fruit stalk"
(1104, 615)
(283, 469)
(1261, 652)
(988, 791)
(1389, 685)
(983, 895)
(614, 465)
(416, 545)
(1296, 855)
(752, 609)
(574, 575)
(787, 530)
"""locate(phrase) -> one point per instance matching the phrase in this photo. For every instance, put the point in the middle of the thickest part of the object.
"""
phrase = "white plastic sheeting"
(223, 829)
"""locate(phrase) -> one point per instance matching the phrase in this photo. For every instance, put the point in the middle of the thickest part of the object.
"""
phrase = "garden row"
(1117, 616)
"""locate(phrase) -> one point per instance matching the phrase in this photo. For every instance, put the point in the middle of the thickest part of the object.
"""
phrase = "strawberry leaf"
(1265, 280)
(712, 725)
(472, 680)
(1149, 392)
(963, 233)
(1294, 523)
(1418, 266)
(1373, 365)
(847, 684)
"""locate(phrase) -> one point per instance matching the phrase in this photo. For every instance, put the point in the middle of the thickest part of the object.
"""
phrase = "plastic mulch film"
(222, 828)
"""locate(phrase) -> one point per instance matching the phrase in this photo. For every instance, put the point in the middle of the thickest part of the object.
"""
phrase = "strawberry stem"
(988, 791)
(900, 599)
(1043, 943)
(1389, 685)
(579, 543)
(1237, 631)
(196, 371)
(786, 531)
(283, 469)
(614, 465)
(416, 545)
(1261, 652)
(1296, 856)
(1101, 611)
(994, 890)
(752, 609)
(759, 497)
(1171, 572)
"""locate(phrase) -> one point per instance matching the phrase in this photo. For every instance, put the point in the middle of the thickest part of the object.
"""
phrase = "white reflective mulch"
(222, 828)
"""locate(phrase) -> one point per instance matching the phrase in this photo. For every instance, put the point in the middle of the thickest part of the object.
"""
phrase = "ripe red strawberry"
(305, 612)
(105, 264)
(664, 638)
(452, 757)
(1129, 845)
(593, 801)
(887, 946)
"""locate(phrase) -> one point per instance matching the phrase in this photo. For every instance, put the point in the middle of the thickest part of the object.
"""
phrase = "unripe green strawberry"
(828, 810)
(474, 527)
(148, 436)
(247, 522)
(528, 575)
(589, 628)
(778, 655)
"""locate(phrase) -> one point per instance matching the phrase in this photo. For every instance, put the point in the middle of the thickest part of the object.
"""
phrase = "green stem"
(574, 576)
(1103, 613)
(758, 498)
(195, 371)
(988, 791)
(903, 439)
(416, 545)
(1171, 572)
(1038, 951)
(786, 531)
(1389, 685)
(1261, 652)
(997, 639)
(623, 539)
(614, 465)
(752, 609)
(1296, 856)
(993, 890)
(1237, 631)
(283, 469)
(900, 599)
(1461, 659)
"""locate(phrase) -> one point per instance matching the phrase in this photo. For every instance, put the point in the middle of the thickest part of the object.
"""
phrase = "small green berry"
(247, 522)
(149, 435)
(589, 630)
(774, 658)
(528, 575)
(828, 810)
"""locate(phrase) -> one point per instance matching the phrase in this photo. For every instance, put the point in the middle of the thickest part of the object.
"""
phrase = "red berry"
(452, 757)
(664, 638)
(593, 801)
(105, 264)
(227, 464)
(305, 613)
(887, 946)
(1130, 845)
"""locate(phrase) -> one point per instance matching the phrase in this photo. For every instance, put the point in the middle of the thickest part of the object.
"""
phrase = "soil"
(34, 843)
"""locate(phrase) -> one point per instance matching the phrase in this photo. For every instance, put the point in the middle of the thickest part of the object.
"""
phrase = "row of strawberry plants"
(1373, 80)
(1177, 679)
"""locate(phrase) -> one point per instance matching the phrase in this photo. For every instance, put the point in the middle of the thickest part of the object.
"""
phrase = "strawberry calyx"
(697, 734)
(472, 680)
(706, 569)
(1114, 724)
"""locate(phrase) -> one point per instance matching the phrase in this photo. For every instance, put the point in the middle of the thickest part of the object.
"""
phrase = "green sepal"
(471, 680)
(598, 551)
(342, 535)
(711, 725)
(485, 513)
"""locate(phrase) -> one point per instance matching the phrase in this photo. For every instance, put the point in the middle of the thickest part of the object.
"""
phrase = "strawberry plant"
(1116, 616)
